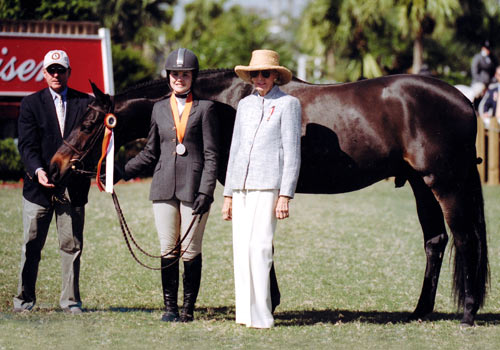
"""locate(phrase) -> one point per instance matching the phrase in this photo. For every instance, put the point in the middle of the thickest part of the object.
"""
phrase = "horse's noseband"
(109, 121)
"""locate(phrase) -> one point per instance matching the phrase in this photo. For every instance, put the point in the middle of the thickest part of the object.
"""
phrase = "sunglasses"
(265, 73)
(56, 69)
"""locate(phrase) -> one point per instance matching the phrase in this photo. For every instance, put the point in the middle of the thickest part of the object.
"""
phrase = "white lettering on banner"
(25, 71)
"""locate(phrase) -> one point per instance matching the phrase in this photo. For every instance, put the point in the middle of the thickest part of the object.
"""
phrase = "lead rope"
(128, 235)
(110, 122)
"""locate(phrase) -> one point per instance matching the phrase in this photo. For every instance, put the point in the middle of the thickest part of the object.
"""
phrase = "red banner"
(21, 62)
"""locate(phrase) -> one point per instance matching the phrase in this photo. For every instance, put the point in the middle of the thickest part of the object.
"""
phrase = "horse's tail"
(477, 250)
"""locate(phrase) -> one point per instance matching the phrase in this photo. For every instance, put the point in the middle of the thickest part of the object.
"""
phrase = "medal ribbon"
(180, 123)
(108, 151)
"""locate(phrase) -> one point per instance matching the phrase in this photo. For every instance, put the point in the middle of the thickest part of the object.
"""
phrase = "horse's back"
(358, 133)
(355, 134)
(439, 123)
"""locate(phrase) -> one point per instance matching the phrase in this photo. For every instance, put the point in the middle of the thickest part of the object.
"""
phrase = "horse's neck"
(134, 107)
(222, 86)
(134, 116)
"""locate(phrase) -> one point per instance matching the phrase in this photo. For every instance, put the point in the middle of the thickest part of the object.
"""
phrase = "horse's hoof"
(416, 318)
(419, 315)
(465, 325)
(467, 321)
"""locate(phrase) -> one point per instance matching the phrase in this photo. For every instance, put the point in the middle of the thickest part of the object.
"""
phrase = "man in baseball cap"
(56, 57)
(46, 118)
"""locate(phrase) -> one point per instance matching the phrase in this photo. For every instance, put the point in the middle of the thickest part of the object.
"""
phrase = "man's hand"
(43, 179)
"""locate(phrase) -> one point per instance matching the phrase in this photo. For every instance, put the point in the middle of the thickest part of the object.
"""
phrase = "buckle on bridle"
(60, 198)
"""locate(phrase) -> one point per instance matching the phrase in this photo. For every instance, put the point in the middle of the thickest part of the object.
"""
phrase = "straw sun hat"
(264, 60)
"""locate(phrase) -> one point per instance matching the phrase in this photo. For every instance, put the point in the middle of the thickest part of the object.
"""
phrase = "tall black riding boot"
(170, 284)
(191, 281)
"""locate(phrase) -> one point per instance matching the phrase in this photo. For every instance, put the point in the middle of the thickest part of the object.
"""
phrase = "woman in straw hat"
(262, 174)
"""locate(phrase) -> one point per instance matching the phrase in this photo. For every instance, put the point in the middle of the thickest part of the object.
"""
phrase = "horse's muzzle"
(59, 168)
(54, 172)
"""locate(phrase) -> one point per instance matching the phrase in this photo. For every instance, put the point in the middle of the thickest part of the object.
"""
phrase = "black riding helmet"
(182, 59)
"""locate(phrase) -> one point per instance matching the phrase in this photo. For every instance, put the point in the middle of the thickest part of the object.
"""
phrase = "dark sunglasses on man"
(265, 73)
(55, 68)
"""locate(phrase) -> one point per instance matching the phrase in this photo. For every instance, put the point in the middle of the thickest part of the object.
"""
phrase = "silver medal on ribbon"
(180, 149)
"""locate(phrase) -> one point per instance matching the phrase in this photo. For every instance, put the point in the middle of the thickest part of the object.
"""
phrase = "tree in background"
(353, 38)
(130, 67)
(340, 32)
(316, 30)
(70, 10)
(135, 28)
(417, 18)
(369, 38)
(225, 38)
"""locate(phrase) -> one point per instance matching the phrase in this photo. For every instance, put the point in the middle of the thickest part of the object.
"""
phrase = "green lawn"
(350, 269)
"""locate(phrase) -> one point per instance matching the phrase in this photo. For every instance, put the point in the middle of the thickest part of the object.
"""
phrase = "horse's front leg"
(435, 240)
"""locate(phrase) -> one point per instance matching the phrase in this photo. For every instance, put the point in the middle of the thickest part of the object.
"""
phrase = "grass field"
(350, 269)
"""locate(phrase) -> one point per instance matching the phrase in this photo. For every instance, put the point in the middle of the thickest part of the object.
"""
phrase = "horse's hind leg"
(463, 206)
(435, 240)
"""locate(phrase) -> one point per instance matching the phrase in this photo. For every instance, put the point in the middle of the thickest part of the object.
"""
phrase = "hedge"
(11, 167)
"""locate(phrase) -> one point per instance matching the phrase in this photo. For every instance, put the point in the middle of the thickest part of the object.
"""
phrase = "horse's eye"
(86, 126)
(88, 123)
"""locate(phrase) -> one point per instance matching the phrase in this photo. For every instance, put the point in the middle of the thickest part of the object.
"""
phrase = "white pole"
(107, 61)
(301, 67)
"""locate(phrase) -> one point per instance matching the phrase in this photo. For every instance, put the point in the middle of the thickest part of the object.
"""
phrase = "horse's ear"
(99, 95)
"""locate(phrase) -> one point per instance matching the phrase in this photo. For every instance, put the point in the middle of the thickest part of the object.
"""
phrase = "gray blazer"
(265, 148)
(179, 176)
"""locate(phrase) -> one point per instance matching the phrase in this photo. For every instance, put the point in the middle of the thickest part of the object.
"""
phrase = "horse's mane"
(215, 70)
(162, 83)
(144, 85)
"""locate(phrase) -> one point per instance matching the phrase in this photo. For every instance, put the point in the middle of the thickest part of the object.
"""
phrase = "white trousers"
(254, 223)
(172, 219)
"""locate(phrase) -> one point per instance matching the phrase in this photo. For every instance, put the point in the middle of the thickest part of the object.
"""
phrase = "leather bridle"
(82, 153)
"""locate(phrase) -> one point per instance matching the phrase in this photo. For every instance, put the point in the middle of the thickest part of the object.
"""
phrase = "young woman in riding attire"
(182, 146)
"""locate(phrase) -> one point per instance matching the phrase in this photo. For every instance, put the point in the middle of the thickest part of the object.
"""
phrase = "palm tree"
(131, 21)
(417, 18)
(316, 31)
(341, 26)
(356, 29)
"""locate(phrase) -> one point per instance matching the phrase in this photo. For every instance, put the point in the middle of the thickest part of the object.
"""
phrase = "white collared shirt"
(55, 98)
(181, 103)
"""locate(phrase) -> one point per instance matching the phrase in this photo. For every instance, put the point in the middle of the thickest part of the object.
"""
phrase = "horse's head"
(80, 144)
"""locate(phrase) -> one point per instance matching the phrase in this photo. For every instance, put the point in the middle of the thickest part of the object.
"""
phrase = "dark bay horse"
(413, 128)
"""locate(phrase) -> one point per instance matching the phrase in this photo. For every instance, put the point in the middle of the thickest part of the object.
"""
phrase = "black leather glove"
(201, 204)
(118, 174)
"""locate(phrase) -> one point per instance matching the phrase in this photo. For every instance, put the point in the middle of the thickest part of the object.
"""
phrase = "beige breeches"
(172, 219)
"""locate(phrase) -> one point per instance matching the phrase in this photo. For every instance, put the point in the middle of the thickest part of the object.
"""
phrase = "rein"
(127, 235)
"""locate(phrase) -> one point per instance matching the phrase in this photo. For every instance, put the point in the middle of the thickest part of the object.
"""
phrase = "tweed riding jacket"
(265, 148)
(179, 176)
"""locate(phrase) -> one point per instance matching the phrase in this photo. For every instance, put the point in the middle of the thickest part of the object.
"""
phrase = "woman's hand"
(227, 208)
(282, 210)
